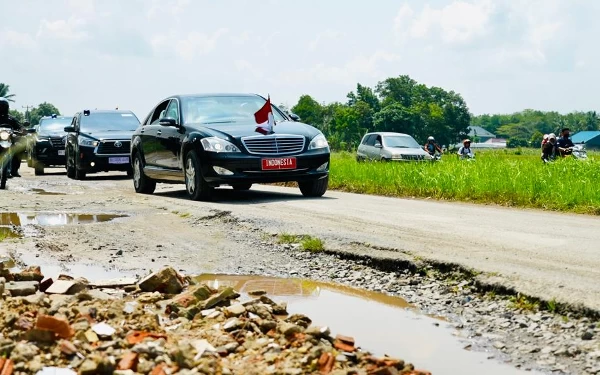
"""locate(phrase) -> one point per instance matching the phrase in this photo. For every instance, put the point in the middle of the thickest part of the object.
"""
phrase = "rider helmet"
(4, 107)
(466, 141)
(430, 139)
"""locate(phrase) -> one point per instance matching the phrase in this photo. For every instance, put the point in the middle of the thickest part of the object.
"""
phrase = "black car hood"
(52, 134)
(109, 135)
(247, 129)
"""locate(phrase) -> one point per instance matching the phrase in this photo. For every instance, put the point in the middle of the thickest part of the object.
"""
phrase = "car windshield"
(223, 109)
(400, 141)
(109, 121)
(55, 125)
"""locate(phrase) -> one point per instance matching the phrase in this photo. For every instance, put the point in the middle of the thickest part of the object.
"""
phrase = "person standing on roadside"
(564, 144)
(8, 120)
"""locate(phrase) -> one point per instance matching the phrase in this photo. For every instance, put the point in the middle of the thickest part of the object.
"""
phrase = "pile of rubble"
(164, 324)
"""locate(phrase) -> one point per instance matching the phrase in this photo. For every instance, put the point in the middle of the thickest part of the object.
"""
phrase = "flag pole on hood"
(264, 118)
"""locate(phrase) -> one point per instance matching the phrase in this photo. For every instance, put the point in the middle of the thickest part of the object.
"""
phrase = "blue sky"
(502, 55)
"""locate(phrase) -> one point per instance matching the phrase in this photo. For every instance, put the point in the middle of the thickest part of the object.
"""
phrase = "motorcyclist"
(9, 121)
(464, 152)
(549, 149)
(565, 145)
(431, 146)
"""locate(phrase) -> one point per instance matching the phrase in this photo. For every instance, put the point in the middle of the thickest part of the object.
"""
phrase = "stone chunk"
(225, 294)
(235, 310)
(59, 326)
(29, 274)
(166, 280)
(21, 288)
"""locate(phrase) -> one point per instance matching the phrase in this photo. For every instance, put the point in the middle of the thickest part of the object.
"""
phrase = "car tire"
(195, 185)
(70, 168)
(359, 159)
(38, 168)
(241, 187)
(141, 183)
(3, 176)
(314, 188)
(29, 160)
(79, 173)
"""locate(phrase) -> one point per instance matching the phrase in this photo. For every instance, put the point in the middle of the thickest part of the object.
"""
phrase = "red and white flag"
(264, 118)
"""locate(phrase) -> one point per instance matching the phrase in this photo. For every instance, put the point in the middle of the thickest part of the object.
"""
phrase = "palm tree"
(4, 92)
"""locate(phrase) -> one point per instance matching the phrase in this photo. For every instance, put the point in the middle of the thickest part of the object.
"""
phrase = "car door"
(149, 135)
(72, 143)
(370, 147)
(171, 138)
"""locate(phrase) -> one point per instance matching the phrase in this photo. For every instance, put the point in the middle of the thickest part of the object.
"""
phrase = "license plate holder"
(118, 160)
(61, 152)
(276, 164)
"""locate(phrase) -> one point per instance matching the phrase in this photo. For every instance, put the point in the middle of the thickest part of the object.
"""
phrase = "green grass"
(307, 243)
(521, 302)
(505, 177)
(551, 305)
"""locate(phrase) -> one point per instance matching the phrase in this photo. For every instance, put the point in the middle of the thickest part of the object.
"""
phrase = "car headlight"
(4, 135)
(215, 144)
(318, 142)
(83, 141)
(42, 139)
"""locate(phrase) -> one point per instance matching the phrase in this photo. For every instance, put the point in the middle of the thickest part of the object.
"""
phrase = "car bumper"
(310, 165)
(91, 162)
(48, 155)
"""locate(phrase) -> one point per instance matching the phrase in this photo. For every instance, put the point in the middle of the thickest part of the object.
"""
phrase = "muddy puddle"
(380, 323)
(46, 192)
(21, 219)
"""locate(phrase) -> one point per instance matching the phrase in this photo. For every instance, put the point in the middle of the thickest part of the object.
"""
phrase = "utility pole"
(27, 111)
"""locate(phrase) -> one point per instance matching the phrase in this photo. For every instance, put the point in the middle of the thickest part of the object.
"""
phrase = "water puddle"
(45, 192)
(380, 323)
(8, 232)
(53, 268)
(20, 219)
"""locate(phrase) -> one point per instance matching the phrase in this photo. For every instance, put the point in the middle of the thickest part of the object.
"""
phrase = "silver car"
(386, 146)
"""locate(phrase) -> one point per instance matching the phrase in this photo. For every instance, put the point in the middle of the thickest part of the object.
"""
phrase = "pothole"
(20, 219)
(45, 192)
(383, 324)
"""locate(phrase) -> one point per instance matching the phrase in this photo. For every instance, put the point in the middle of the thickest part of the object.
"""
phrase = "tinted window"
(173, 110)
(223, 109)
(370, 141)
(109, 121)
(54, 125)
(401, 142)
(159, 112)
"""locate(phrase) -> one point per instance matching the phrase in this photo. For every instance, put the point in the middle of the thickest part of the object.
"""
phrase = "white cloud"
(324, 36)
(457, 22)
(69, 29)
(197, 43)
(160, 7)
(16, 39)
(82, 6)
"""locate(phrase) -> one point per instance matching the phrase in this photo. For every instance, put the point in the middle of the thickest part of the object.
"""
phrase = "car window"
(401, 141)
(109, 121)
(159, 112)
(224, 109)
(370, 141)
(365, 139)
(173, 110)
(53, 125)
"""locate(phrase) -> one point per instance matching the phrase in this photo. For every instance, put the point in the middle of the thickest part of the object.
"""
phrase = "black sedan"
(206, 141)
(46, 147)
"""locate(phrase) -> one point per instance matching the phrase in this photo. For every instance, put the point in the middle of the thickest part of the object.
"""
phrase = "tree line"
(397, 104)
(32, 115)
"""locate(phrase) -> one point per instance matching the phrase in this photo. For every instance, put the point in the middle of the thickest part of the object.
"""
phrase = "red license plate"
(279, 163)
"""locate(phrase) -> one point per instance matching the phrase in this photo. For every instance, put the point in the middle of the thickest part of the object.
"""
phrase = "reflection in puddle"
(8, 232)
(52, 269)
(380, 323)
(49, 219)
(44, 192)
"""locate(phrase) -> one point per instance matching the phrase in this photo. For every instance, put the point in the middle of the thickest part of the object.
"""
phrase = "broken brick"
(7, 367)
(346, 339)
(384, 371)
(136, 337)
(128, 361)
(59, 326)
(340, 345)
(326, 363)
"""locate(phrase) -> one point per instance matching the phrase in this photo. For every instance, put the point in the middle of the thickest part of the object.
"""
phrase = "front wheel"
(3, 176)
(141, 183)
(39, 168)
(314, 188)
(196, 186)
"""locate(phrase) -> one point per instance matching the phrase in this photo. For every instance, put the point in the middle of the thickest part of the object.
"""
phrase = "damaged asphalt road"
(521, 249)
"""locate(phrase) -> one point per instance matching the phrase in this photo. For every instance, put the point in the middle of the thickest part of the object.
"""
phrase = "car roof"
(108, 110)
(50, 117)
(202, 95)
(389, 133)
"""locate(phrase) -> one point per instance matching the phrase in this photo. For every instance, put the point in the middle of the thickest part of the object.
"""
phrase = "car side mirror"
(31, 130)
(294, 117)
(27, 124)
(168, 121)
(69, 129)
(378, 145)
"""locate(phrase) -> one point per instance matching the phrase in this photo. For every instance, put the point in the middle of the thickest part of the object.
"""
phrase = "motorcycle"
(7, 139)
(468, 157)
(579, 152)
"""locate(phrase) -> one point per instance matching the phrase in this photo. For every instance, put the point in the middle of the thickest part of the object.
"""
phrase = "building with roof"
(481, 134)
(591, 139)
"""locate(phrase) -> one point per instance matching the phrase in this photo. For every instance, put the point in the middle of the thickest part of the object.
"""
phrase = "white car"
(386, 146)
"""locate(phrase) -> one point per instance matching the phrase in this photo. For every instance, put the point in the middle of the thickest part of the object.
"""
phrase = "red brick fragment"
(59, 326)
(326, 362)
(136, 337)
(7, 367)
(340, 345)
(419, 372)
(384, 371)
(346, 339)
(129, 361)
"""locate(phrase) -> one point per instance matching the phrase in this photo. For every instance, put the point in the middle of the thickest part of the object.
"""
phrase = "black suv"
(99, 141)
(47, 146)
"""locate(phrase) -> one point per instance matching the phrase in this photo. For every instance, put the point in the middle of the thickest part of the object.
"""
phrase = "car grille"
(413, 157)
(274, 145)
(108, 147)
(57, 142)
